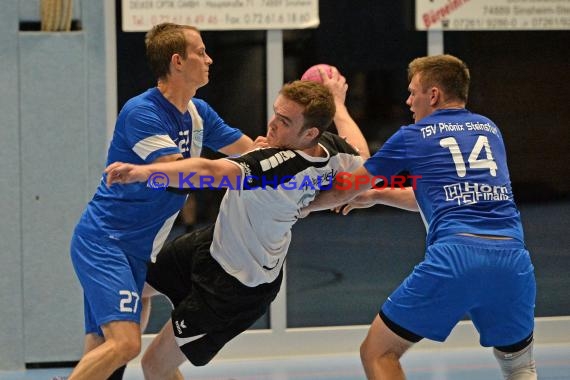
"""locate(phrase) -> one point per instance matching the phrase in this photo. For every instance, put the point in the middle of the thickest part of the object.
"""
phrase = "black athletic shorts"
(211, 307)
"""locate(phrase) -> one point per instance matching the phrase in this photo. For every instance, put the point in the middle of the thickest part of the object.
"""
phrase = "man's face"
(284, 129)
(197, 62)
(419, 100)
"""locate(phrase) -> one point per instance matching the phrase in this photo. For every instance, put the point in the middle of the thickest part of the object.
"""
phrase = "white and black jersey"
(253, 228)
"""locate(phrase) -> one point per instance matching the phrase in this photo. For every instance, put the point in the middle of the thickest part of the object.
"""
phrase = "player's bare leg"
(381, 352)
(91, 342)
(122, 343)
(163, 356)
(146, 304)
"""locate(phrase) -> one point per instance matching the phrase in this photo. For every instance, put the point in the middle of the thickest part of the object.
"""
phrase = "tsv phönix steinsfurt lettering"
(435, 129)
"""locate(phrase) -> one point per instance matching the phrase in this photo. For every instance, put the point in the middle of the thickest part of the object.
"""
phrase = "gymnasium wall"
(52, 148)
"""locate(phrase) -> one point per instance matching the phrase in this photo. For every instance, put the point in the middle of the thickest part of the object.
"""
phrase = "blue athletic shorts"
(112, 281)
(490, 281)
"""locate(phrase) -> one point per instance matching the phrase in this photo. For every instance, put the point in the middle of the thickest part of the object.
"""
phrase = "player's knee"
(151, 368)
(365, 351)
(369, 354)
(127, 349)
(124, 339)
(517, 361)
(372, 359)
(154, 367)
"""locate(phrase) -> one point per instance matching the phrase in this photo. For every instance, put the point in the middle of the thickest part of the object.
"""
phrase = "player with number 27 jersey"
(150, 127)
(463, 183)
(131, 222)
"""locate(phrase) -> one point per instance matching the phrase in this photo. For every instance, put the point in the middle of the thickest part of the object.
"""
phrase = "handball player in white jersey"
(222, 278)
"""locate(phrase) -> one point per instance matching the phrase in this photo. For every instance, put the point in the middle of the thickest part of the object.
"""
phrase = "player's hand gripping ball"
(313, 74)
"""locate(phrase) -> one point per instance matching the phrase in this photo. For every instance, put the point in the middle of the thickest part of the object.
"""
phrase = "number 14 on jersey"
(482, 144)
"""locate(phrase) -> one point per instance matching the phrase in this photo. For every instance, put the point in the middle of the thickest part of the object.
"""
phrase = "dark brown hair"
(317, 101)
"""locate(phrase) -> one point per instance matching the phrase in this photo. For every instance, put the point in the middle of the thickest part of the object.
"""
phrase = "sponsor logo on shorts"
(179, 326)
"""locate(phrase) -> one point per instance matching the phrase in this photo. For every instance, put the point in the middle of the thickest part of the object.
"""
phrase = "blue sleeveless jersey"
(464, 184)
(148, 127)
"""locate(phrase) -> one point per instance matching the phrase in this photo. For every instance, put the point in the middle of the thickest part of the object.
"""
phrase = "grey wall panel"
(11, 325)
(53, 107)
(98, 89)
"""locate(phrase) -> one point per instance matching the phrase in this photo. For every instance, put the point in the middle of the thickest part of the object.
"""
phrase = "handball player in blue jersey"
(123, 226)
(476, 263)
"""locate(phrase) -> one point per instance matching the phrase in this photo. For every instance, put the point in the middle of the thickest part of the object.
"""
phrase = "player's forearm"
(347, 127)
(329, 199)
(192, 172)
(345, 187)
(396, 197)
(242, 145)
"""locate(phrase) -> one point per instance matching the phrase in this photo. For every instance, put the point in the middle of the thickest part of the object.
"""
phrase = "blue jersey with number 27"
(138, 217)
(463, 183)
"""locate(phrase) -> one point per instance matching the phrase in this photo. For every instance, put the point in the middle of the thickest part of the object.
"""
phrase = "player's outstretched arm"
(191, 172)
(404, 199)
(242, 145)
(120, 172)
(345, 124)
(346, 186)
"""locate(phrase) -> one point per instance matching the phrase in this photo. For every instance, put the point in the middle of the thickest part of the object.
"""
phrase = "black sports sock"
(118, 374)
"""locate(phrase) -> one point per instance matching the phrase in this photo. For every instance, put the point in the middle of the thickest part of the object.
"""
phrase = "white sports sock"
(517, 365)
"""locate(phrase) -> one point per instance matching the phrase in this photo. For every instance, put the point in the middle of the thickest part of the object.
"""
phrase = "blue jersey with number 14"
(463, 183)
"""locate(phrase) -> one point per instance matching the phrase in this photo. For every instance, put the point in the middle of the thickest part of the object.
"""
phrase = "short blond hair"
(445, 71)
(162, 41)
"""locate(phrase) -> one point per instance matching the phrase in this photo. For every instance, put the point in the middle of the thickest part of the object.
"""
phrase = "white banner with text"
(492, 14)
(141, 15)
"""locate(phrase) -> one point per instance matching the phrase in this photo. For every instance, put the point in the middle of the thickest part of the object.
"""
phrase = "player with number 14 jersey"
(464, 183)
